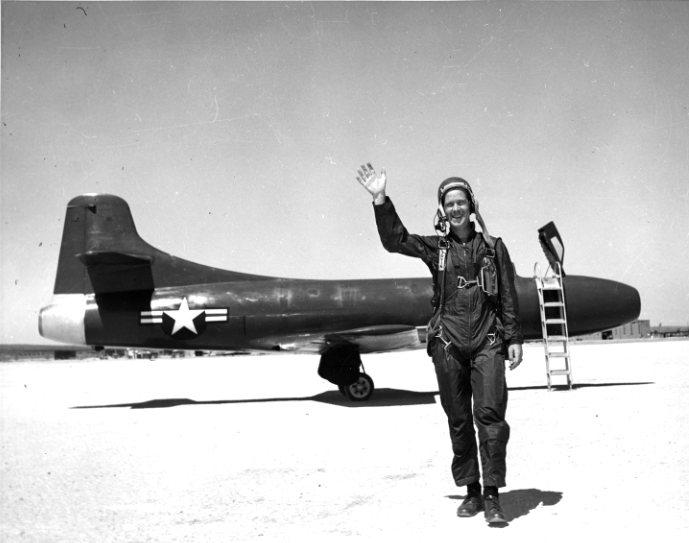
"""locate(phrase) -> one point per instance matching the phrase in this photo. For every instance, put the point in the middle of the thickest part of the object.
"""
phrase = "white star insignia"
(184, 317)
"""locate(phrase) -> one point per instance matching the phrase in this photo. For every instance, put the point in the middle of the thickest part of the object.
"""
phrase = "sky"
(234, 131)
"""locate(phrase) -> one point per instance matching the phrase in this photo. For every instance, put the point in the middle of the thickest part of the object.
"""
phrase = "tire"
(360, 390)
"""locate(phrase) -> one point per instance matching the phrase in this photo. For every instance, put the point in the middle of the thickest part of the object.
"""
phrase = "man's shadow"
(518, 503)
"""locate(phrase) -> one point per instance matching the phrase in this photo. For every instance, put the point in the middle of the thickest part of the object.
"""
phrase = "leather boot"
(493, 513)
(470, 506)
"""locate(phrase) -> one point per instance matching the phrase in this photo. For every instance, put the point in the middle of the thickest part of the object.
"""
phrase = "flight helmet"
(441, 224)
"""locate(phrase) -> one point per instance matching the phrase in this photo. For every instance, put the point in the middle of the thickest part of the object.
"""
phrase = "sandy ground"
(261, 449)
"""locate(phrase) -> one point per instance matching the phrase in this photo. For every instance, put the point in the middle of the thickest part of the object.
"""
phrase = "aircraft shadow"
(519, 503)
(382, 397)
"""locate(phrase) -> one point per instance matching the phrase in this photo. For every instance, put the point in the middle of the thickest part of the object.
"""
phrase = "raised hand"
(372, 182)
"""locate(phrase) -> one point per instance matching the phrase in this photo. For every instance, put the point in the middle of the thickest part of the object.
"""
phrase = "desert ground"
(259, 448)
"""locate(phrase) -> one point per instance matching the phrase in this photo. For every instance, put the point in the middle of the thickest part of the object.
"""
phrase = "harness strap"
(444, 247)
(484, 282)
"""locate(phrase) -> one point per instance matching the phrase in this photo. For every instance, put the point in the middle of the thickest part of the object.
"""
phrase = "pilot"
(475, 325)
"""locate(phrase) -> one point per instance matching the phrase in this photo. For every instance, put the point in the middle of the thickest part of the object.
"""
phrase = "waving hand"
(373, 182)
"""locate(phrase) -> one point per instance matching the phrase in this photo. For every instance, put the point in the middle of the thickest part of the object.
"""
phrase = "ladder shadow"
(560, 388)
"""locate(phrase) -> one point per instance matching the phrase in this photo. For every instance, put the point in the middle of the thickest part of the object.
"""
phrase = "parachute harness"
(486, 279)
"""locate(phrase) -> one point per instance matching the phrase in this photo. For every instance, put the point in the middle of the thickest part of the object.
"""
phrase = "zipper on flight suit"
(470, 304)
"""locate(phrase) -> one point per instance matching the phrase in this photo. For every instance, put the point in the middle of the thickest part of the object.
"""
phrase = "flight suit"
(468, 345)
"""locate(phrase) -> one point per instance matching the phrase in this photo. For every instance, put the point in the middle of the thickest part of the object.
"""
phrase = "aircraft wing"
(369, 339)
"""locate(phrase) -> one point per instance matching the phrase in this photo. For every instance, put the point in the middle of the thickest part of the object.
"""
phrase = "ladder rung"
(555, 321)
(551, 286)
(559, 372)
(553, 304)
(556, 338)
(558, 354)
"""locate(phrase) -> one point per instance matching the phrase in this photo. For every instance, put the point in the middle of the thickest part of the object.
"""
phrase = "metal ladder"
(551, 303)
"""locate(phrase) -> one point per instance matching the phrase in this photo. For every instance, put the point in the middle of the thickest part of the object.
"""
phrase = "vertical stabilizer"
(71, 274)
(98, 230)
(102, 253)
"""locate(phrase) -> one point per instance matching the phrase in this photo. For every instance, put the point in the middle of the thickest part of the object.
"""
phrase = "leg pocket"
(488, 382)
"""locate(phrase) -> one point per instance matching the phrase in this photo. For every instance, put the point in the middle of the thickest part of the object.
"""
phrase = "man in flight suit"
(475, 324)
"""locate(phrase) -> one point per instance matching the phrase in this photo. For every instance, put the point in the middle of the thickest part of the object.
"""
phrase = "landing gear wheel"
(360, 390)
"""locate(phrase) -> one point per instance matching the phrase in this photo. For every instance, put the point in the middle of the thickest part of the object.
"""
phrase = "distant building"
(12, 352)
(669, 331)
(632, 330)
(638, 329)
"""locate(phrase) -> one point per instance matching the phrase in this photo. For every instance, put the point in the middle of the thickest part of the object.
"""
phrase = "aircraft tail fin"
(102, 252)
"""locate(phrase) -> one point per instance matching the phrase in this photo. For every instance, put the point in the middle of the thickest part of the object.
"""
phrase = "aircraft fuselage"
(275, 313)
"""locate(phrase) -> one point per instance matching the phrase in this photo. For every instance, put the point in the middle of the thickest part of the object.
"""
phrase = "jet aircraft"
(114, 289)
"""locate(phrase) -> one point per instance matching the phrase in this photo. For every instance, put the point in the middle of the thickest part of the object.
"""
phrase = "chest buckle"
(463, 283)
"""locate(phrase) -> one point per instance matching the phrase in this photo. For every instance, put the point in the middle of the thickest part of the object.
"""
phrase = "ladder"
(551, 303)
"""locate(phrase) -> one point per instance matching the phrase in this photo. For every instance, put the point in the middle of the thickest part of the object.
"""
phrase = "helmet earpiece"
(441, 224)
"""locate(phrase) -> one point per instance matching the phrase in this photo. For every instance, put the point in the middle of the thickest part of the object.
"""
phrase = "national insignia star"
(184, 317)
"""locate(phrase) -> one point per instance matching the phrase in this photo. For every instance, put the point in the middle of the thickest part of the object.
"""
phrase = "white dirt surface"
(258, 448)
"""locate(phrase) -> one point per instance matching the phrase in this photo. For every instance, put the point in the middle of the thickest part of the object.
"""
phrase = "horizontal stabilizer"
(108, 258)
